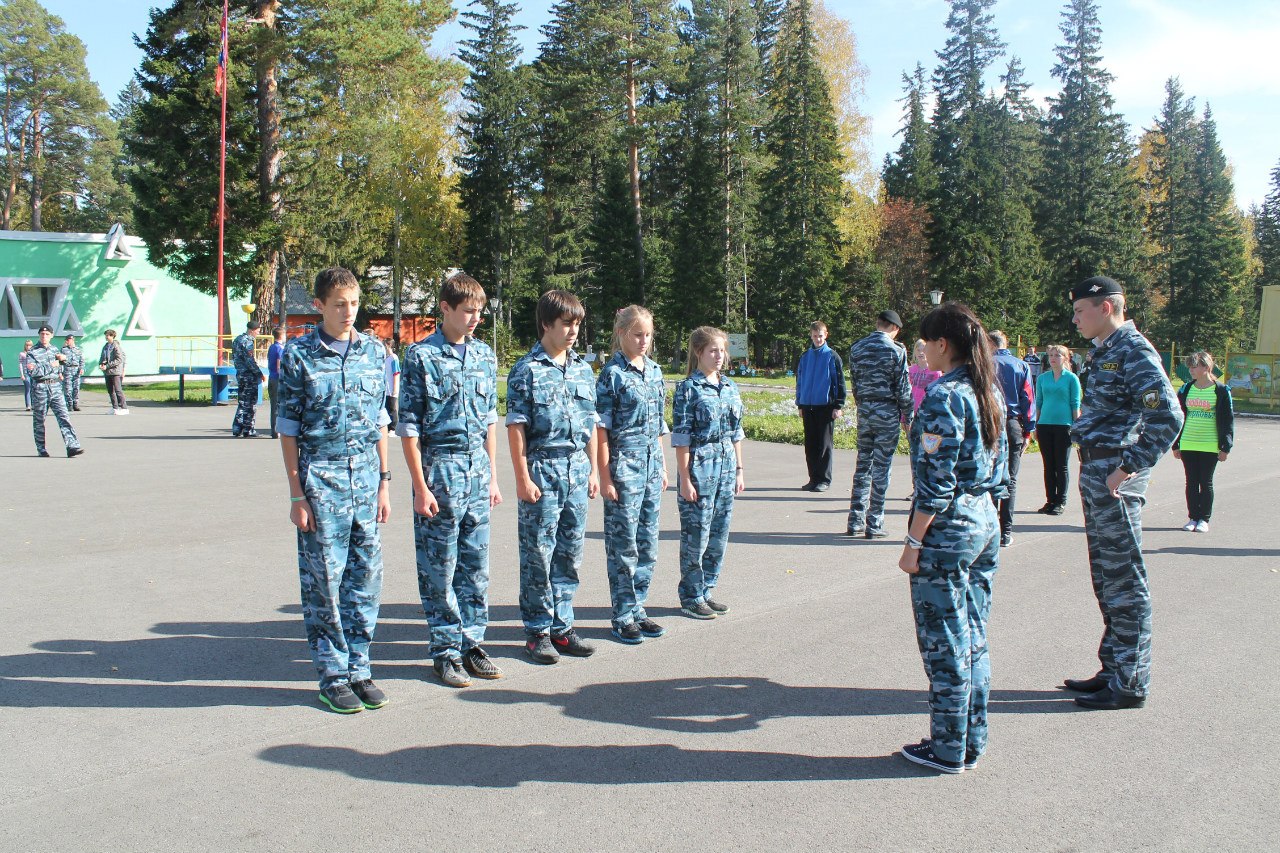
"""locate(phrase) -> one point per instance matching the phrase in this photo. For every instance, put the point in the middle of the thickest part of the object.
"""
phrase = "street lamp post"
(935, 296)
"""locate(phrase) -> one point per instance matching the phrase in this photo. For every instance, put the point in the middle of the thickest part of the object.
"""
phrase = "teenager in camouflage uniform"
(707, 435)
(551, 427)
(448, 426)
(1129, 418)
(44, 366)
(332, 428)
(631, 402)
(878, 370)
(248, 378)
(952, 548)
(72, 372)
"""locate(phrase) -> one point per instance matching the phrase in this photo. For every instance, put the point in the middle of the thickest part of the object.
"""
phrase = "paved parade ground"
(156, 693)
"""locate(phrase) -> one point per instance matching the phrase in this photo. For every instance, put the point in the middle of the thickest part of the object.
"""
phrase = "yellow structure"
(1269, 321)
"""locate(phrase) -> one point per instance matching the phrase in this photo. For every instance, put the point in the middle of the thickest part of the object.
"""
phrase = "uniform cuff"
(405, 430)
(284, 426)
(604, 421)
(681, 439)
(491, 420)
(514, 418)
(384, 419)
(738, 436)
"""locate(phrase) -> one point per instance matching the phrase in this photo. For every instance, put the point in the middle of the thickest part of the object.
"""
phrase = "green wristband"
(296, 500)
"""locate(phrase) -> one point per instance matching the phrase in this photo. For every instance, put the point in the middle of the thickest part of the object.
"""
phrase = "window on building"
(25, 304)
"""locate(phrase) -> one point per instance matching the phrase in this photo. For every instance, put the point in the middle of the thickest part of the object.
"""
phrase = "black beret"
(46, 328)
(1099, 285)
(890, 316)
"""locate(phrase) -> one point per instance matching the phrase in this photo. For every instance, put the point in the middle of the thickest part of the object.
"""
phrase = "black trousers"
(1017, 443)
(819, 431)
(1199, 465)
(115, 391)
(1055, 447)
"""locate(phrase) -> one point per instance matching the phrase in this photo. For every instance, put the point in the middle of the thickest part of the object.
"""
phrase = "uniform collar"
(437, 340)
(355, 344)
(701, 378)
(539, 353)
(1110, 340)
(622, 361)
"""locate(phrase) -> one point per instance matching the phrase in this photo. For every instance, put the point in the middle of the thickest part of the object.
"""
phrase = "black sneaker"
(43, 454)
(340, 699)
(970, 761)
(1006, 539)
(73, 452)
(449, 671)
(629, 634)
(698, 610)
(1046, 509)
(821, 487)
(1057, 509)
(807, 487)
(541, 650)
(855, 531)
(922, 753)
(876, 533)
(650, 628)
(369, 694)
(717, 606)
(570, 644)
(478, 664)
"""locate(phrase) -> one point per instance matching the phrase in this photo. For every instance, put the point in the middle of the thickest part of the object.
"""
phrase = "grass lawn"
(159, 392)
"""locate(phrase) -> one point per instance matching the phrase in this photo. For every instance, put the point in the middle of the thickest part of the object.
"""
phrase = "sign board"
(737, 346)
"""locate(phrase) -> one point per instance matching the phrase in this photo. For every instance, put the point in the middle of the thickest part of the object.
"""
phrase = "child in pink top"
(920, 376)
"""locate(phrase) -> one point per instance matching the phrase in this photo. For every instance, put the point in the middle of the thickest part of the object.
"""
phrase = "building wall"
(140, 301)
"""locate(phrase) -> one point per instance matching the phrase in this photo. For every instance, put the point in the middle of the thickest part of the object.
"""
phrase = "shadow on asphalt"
(1225, 551)
(490, 766)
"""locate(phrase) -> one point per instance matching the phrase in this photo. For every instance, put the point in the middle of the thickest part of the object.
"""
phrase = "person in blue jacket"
(1020, 420)
(820, 396)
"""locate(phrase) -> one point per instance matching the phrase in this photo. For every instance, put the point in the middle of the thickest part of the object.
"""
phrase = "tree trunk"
(269, 120)
(37, 166)
(633, 163)
(397, 280)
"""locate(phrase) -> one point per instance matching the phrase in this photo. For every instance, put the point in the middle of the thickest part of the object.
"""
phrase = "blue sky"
(1224, 53)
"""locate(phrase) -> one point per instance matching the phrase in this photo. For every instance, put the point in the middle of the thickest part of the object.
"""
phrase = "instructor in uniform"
(1130, 418)
(45, 366)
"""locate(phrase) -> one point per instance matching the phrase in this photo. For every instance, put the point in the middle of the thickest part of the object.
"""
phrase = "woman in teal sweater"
(1057, 407)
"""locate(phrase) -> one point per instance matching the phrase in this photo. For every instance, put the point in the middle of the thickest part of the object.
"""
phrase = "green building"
(84, 284)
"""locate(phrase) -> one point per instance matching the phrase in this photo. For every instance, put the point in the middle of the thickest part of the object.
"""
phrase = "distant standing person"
(1057, 407)
(72, 372)
(248, 380)
(878, 374)
(1129, 418)
(392, 370)
(820, 396)
(921, 376)
(112, 362)
(1036, 362)
(45, 364)
(273, 374)
(1020, 421)
(1207, 436)
(24, 371)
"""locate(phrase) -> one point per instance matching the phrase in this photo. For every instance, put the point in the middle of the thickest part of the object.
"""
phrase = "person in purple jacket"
(1020, 420)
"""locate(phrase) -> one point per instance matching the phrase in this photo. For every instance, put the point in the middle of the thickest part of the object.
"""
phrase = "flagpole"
(224, 59)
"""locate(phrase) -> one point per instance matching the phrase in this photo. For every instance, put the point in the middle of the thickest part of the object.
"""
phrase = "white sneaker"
(1190, 526)
(1202, 527)
(122, 411)
(113, 412)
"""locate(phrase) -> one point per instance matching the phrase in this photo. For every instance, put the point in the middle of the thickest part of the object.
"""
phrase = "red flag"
(220, 74)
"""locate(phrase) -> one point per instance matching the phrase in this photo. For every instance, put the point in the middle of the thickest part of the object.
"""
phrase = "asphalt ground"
(156, 693)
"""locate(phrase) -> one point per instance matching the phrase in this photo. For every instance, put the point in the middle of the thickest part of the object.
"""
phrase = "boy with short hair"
(551, 426)
(273, 374)
(332, 435)
(820, 396)
(449, 430)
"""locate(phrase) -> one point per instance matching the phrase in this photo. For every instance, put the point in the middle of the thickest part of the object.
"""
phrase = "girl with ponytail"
(959, 455)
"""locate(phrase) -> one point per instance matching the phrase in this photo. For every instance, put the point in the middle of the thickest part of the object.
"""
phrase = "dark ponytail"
(955, 323)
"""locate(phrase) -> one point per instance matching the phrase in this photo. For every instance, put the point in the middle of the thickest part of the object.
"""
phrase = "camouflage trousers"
(1113, 528)
(704, 523)
(340, 564)
(71, 388)
(246, 406)
(631, 529)
(453, 551)
(951, 599)
(46, 396)
(877, 442)
(551, 533)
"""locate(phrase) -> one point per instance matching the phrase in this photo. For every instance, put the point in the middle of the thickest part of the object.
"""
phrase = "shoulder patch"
(1110, 365)
(1151, 399)
(930, 442)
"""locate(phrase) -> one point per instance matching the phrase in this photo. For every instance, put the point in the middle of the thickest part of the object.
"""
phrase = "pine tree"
(1172, 149)
(801, 189)
(1207, 309)
(909, 173)
(495, 134)
(1267, 236)
(1088, 218)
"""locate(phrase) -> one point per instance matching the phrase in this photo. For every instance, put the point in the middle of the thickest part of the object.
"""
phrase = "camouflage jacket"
(242, 357)
(75, 359)
(1127, 401)
(446, 400)
(878, 373)
(333, 403)
(947, 452)
(705, 413)
(557, 405)
(632, 402)
(42, 363)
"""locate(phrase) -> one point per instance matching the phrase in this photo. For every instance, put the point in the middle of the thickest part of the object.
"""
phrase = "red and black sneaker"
(570, 644)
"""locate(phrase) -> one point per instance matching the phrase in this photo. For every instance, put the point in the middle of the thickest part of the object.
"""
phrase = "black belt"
(1092, 454)
(45, 381)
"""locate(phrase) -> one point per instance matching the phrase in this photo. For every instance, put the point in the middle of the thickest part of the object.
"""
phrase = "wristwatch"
(385, 476)
(913, 544)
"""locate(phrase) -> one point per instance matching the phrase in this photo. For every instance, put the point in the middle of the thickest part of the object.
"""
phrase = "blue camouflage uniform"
(449, 400)
(72, 374)
(334, 403)
(46, 393)
(957, 478)
(631, 404)
(707, 419)
(557, 406)
(248, 378)
(1129, 417)
(878, 370)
